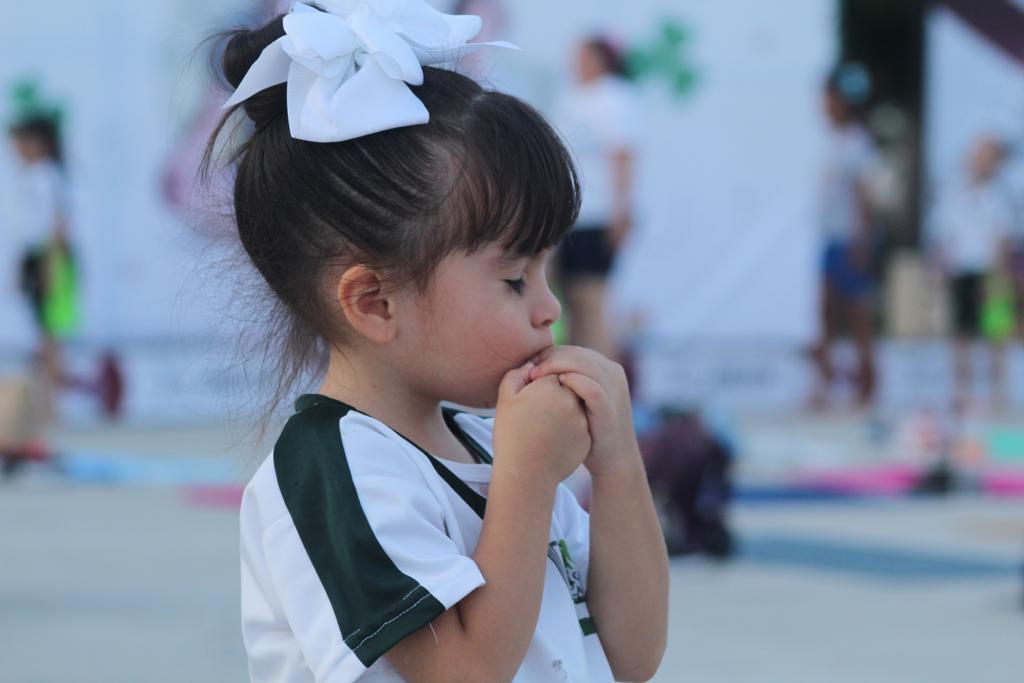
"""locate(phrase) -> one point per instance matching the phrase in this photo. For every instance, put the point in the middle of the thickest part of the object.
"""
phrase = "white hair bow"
(347, 67)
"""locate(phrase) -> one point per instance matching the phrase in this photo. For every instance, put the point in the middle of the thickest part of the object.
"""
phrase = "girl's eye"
(516, 286)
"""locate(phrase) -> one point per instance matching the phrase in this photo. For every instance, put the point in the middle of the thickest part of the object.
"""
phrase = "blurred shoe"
(110, 386)
(14, 458)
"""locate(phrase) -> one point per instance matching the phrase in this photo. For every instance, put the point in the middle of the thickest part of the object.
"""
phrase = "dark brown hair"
(487, 169)
(43, 129)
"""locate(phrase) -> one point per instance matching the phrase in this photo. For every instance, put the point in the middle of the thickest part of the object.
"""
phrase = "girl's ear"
(367, 306)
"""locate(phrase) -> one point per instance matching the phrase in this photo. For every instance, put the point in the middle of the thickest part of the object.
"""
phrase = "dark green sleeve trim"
(479, 451)
(374, 603)
(473, 499)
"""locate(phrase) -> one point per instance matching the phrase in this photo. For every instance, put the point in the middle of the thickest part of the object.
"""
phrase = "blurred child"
(972, 237)
(48, 269)
(600, 122)
(846, 225)
(48, 273)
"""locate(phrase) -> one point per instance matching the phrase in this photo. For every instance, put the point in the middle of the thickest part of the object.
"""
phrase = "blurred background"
(812, 266)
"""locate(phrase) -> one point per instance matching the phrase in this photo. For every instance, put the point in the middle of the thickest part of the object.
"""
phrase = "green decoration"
(997, 310)
(27, 102)
(60, 300)
(665, 57)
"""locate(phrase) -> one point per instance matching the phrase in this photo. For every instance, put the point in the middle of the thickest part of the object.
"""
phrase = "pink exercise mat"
(883, 480)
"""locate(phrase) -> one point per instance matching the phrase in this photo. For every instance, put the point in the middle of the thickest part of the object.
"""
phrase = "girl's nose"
(548, 310)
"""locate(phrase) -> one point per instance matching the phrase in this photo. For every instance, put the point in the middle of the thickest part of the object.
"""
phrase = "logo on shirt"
(558, 552)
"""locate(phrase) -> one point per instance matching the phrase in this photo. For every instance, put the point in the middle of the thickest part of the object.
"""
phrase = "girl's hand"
(601, 385)
(540, 428)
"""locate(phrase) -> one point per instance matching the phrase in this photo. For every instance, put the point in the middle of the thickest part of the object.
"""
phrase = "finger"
(514, 380)
(541, 355)
(587, 390)
(556, 350)
(584, 413)
(567, 390)
(538, 384)
(576, 359)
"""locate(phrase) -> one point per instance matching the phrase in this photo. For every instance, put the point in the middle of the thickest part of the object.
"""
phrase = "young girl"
(845, 221)
(402, 216)
(974, 228)
(48, 273)
(600, 124)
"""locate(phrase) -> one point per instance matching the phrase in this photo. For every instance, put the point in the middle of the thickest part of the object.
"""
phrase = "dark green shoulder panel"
(369, 595)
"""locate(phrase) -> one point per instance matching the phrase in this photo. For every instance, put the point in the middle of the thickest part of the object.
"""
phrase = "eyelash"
(517, 286)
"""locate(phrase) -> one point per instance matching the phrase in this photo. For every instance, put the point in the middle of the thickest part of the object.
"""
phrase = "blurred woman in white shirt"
(599, 121)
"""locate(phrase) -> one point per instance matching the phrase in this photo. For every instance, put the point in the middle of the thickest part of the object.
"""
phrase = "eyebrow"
(507, 259)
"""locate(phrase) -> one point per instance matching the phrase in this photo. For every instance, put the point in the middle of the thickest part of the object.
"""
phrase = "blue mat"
(799, 494)
(873, 561)
(106, 468)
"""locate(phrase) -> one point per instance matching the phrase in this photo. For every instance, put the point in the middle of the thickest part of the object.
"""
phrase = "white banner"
(724, 246)
(973, 89)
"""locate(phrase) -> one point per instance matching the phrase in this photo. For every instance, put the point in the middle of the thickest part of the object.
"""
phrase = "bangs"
(518, 185)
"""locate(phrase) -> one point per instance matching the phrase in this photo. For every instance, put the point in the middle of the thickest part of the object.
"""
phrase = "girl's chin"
(487, 402)
(481, 398)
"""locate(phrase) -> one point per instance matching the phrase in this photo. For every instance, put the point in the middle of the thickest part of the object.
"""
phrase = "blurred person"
(366, 550)
(599, 120)
(846, 224)
(48, 276)
(974, 228)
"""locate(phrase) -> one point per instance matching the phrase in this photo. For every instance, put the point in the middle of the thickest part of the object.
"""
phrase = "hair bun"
(243, 48)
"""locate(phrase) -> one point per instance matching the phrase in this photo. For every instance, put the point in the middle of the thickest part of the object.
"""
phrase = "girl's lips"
(535, 358)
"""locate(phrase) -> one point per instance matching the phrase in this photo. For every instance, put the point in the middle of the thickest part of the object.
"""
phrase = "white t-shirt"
(972, 224)
(351, 539)
(596, 120)
(849, 158)
(42, 202)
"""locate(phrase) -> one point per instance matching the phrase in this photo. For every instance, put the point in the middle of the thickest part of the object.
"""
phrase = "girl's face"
(836, 110)
(483, 315)
(28, 147)
(589, 63)
(986, 157)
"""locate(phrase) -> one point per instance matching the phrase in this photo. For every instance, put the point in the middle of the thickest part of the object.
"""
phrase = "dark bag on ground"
(689, 470)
